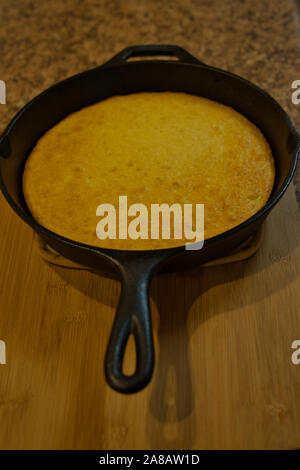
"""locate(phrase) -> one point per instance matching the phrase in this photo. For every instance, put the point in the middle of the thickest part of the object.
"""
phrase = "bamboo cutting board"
(223, 378)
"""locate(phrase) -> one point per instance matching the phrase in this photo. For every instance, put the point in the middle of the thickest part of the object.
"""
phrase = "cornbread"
(153, 147)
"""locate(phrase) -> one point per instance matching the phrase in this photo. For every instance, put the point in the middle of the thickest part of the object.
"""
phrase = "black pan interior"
(95, 85)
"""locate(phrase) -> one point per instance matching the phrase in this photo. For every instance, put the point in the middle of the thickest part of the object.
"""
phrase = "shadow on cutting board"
(182, 308)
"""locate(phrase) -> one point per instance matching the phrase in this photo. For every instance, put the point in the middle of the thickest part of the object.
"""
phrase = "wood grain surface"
(223, 376)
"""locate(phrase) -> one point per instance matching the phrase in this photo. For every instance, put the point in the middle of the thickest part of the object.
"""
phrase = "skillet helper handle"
(132, 317)
(153, 50)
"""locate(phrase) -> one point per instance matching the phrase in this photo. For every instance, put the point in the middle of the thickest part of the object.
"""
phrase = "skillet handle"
(153, 50)
(132, 317)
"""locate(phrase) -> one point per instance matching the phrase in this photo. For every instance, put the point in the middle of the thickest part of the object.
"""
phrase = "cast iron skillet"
(136, 268)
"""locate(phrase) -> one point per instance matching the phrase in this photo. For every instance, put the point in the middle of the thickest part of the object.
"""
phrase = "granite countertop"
(44, 42)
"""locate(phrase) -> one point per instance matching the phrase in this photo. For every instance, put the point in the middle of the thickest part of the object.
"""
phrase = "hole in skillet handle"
(152, 50)
(132, 317)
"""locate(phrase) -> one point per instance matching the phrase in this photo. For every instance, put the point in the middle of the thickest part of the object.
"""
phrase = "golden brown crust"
(155, 148)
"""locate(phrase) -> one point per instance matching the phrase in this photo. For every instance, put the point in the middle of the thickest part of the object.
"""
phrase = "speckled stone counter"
(46, 41)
